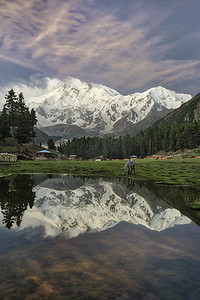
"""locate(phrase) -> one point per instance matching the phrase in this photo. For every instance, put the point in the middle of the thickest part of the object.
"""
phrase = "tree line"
(16, 120)
(172, 137)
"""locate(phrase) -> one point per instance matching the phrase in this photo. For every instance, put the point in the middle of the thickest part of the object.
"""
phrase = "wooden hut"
(44, 153)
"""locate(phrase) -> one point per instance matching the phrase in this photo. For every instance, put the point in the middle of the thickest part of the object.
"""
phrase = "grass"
(174, 171)
(168, 173)
(10, 146)
(194, 205)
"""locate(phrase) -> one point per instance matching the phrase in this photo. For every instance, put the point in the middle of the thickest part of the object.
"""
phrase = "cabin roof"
(44, 151)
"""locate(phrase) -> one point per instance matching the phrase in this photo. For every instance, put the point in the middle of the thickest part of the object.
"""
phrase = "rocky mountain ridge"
(189, 112)
(94, 109)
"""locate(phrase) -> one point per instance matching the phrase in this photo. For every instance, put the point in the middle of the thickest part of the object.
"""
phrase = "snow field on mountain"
(91, 105)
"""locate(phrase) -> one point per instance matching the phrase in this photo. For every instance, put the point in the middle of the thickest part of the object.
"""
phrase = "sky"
(127, 45)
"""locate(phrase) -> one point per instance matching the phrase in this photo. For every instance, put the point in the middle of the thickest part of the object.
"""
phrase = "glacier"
(93, 106)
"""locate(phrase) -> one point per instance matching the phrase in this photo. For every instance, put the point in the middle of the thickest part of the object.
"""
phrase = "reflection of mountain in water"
(74, 206)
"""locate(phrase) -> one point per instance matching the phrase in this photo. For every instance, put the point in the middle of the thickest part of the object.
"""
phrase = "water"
(63, 237)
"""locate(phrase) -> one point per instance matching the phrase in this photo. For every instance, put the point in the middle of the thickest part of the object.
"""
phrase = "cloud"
(36, 87)
(124, 44)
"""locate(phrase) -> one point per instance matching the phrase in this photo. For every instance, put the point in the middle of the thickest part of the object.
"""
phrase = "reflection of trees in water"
(15, 196)
(16, 193)
(177, 196)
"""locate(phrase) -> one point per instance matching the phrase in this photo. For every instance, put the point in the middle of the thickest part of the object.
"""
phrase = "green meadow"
(172, 171)
(166, 173)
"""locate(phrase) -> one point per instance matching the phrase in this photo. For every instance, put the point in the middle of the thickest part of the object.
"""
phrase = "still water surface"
(63, 237)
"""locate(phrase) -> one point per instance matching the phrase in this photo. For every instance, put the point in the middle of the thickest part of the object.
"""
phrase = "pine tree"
(126, 146)
(33, 122)
(172, 138)
(10, 106)
(51, 144)
(16, 116)
(23, 125)
(149, 140)
(4, 124)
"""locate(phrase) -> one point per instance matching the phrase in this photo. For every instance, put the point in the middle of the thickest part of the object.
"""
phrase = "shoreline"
(168, 172)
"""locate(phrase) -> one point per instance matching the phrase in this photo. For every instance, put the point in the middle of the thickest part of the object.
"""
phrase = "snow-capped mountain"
(97, 108)
(73, 206)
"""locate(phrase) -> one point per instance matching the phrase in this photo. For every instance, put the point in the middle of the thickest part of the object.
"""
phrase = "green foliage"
(16, 120)
(51, 144)
(33, 122)
(194, 205)
(154, 139)
(11, 107)
(22, 130)
(8, 145)
(4, 124)
(88, 148)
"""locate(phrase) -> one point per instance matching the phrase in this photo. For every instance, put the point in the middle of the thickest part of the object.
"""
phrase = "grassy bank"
(174, 171)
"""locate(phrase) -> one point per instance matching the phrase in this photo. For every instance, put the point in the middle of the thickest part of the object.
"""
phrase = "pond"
(65, 237)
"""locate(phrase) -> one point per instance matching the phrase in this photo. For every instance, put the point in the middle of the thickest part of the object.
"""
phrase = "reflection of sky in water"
(132, 260)
(74, 206)
(124, 262)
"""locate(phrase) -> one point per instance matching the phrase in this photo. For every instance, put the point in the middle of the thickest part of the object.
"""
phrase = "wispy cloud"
(126, 49)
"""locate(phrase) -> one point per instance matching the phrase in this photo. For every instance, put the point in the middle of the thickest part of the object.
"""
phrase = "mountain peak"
(74, 82)
(93, 106)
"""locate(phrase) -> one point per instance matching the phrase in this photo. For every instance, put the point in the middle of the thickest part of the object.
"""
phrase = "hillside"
(150, 119)
(186, 113)
(42, 137)
(177, 131)
(25, 151)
